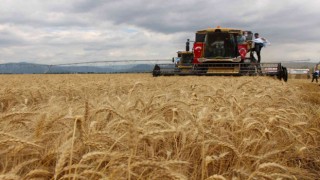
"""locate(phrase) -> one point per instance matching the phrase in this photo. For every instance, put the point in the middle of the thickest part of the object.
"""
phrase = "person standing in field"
(315, 76)
(259, 42)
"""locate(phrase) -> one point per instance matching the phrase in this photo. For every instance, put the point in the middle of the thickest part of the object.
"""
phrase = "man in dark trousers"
(315, 75)
(258, 44)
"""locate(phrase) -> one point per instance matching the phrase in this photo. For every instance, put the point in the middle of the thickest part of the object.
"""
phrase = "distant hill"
(30, 68)
(23, 68)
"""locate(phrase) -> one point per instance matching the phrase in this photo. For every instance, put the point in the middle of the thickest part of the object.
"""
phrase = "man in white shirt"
(258, 44)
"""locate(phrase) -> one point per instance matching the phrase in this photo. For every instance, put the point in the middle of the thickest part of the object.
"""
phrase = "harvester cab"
(220, 51)
(184, 58)
(223, 45)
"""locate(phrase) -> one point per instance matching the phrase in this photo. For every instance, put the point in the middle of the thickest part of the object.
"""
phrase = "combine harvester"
(220, 51)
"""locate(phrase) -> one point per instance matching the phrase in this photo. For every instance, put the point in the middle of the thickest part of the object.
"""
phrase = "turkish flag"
(243, 49)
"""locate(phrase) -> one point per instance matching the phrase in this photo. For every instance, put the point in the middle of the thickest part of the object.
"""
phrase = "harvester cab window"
(219, 45)
(248, 35)
(187, 58)
(200, 37)
(241, 39)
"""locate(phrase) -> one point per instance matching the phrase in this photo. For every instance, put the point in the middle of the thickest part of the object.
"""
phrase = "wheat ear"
(38, 173)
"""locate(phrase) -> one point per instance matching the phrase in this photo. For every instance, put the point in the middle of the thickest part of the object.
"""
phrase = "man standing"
(258, 44)
(315, 75)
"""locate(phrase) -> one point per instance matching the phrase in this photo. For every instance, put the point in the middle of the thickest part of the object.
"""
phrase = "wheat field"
(135, 126)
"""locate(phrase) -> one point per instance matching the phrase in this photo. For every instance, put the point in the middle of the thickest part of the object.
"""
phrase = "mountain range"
(30, 68)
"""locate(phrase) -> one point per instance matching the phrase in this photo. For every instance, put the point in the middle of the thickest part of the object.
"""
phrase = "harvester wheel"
(280, 72)
(156, 71)
(284, 74)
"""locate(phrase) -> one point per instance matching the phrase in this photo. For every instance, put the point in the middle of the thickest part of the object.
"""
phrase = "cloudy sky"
(70, 31)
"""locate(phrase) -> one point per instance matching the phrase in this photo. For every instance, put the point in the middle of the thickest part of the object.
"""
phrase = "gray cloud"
(8, 39)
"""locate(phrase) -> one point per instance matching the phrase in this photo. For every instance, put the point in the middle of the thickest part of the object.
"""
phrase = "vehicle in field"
(220, 51)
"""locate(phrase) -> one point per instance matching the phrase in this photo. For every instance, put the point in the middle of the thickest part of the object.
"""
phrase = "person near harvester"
(259, 43)
(315, 75)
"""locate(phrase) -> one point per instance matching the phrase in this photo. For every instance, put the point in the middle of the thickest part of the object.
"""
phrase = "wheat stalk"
(95, 174)
(17, 168)
(216, 177)
(224, 144)
(64, 153)
(271, 165)
(72, 176)
(38, 173)
(10, 177)
(19, 141)
(86, 112)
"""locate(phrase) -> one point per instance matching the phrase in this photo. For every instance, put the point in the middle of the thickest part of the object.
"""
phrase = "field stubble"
(134, 126)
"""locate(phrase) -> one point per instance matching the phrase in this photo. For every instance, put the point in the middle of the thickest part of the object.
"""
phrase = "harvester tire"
(280, 72)
(284, 74)
(156, 71)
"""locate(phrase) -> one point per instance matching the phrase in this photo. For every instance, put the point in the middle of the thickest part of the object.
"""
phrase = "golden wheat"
(135, 126)
(38, 173)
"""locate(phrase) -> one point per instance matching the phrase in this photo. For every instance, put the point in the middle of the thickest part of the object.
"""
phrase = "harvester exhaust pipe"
(188, 45)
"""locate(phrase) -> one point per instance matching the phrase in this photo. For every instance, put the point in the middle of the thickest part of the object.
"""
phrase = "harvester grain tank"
(220, 51)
